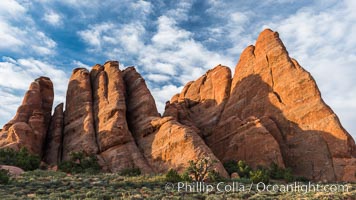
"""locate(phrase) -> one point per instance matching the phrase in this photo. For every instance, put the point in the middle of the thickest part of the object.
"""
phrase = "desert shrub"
(4, 176)
(276, 172)
(186, 177)
(288, 176)
(200, 169)
(130, 172)
(301, 179)
(279, 173)
(259, 175)
(21, 158)
(214, 176)
(243, 169)
(173, 176)
(231, 166)
(80, 163)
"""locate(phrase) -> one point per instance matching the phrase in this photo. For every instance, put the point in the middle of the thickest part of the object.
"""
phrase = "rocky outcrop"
(117, 146)
(165, 143)
(207, 95)
(273, 112)
(79, 131)
(141, 107)
(29, 126)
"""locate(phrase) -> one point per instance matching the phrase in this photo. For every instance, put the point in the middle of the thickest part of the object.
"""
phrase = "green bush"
(4, 176)
(130, 172)
(80, 163)
(243, 169)
(21, 158)
(288, 176)
(231, 166)
(259, 175)
(276, 172)
(172, 176)
(186, 177)
(200, 169)
(279, 173)
(214, 176)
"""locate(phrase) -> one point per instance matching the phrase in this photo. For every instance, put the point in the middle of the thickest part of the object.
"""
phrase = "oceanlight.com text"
(234, 187)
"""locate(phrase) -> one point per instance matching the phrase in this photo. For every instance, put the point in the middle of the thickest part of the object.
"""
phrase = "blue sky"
(172, 42)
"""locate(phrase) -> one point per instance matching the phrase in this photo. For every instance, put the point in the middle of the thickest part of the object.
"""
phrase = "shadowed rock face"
(53, 154)
(269, 111)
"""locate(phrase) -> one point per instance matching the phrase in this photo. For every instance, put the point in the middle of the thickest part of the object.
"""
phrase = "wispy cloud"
(18, 32)
(171, 52)
(52, 18)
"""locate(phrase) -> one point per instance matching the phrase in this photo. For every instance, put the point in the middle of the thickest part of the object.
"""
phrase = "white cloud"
(174, 51)
(95, 35)
(130, 37)
(77, 64)
(9, 103)
(53, 18)
(157, 77)
(143, 6)
(239, 18)
(8, 36)
(168, 34)
(11, 9)
(171, 53)
(180, 11)
(18, 31)
(164, 94)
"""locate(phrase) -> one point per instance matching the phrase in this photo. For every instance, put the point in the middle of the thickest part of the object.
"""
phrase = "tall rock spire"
(29, 126)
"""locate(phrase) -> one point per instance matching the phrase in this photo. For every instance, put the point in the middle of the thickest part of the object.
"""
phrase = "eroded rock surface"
(79, 132)
(29, 126)
(117, 146)
(295, 127)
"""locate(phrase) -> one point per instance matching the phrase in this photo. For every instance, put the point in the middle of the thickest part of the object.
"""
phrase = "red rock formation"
(207, 95)
(53, 147)
(79, 132)
(270, 111)
(29, 126)
(117, 147)
(292, 119)
(141, 107)
(164, 142)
